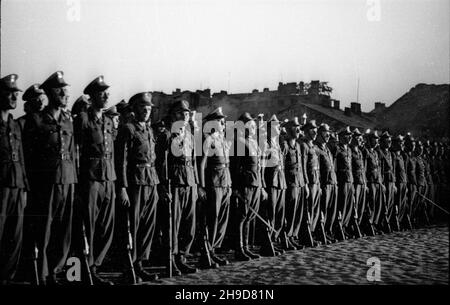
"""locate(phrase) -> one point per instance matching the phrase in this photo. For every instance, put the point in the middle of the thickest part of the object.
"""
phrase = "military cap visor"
(97, 85)
(310, 125)
(324, 127)
(356, 132)
(180, 106)
(32, 92)
(9, 83)
(246, 117)
(143, 98)
(345, 132)
(217, 114)
(55, 80)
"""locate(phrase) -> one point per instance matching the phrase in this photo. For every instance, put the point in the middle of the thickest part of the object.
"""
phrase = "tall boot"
(245, 233)
(239, 253)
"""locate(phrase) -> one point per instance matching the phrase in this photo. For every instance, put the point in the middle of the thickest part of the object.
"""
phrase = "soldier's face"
(294, 132)
(419, 150)
(411, 146)
(312, 133)
(182, 116)
(8, 99)
(325, 136)
(373, 142)
(115, 120)
(99, 99)
(386, 142)
(275, 129)
(143, 112)
(251, 127)
(58, 96)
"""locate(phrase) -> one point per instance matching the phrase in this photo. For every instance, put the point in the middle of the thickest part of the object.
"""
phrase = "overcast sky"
(391, 45)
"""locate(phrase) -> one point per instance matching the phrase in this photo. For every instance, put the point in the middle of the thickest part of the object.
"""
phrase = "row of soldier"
(74, 175)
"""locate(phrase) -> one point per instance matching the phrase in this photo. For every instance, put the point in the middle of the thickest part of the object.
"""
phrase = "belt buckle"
(14, 156)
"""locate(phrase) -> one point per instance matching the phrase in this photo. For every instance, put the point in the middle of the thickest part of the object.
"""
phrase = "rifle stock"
(341, 229)
(35, 265)
(397, 222)
(86, 255)
(130, 249)
(322, 226)
(308, 228)
(356, 222)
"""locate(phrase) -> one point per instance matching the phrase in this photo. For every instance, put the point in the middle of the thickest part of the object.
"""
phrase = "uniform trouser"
(400, 200)
(345, 202)
(412, 190)
(183, 212)
(98, 214)
(360, 200)
(275, 210)
(217, 210)
(143, 207)
(375, 203)
(431, 194)
(299, 212)
(388, 207)
(419, 204)
(313, 206)
(12, 205)
(293, 194)
(54, 226)
(251, 200)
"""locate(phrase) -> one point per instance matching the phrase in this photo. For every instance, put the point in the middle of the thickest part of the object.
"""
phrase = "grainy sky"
(237, 45)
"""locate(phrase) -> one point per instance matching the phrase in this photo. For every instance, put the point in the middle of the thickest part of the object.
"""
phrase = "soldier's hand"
(307, 192)
(367, 189)
(395, 189)
(264, 195)
(123, 198)
(201, 193)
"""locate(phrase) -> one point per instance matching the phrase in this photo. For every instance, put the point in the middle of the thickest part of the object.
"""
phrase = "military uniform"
(309, 150)
(375, 197)
(401, 182)
(346, 191)
(218, 189)
(135, 154)
(359, 179)
(95, 137)
(275, 185)
(53, 184)
(13, 193)
(248, 181)
(183, 178)
(297, 181)
(328, 185)
(419, 208)
(387, 171)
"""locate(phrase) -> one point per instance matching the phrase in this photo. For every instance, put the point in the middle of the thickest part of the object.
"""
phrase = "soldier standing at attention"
(94, 134)
(248, 181)
(53, 177)
(328, 181)
(296, 179)
(274, 179)
(346, 191)
(183, 178)
(420, 206)
(215, 182)
(401, 181)
(13, 181)
(431, 188)
(387, 171)
(138, 179)
(359, 173)
(34, 98)
(309, 150)
(375, 197)
(411, 162)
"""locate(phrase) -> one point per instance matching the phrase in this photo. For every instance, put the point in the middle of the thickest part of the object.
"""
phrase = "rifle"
(355, 219)
(397, 222)
(86, 254)
(341, 229)
(409, 222)
(35, 264)
(388, 225)
(169, 213)
(269, 229)
(130, 249)
(322, 226)
(308, 227)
